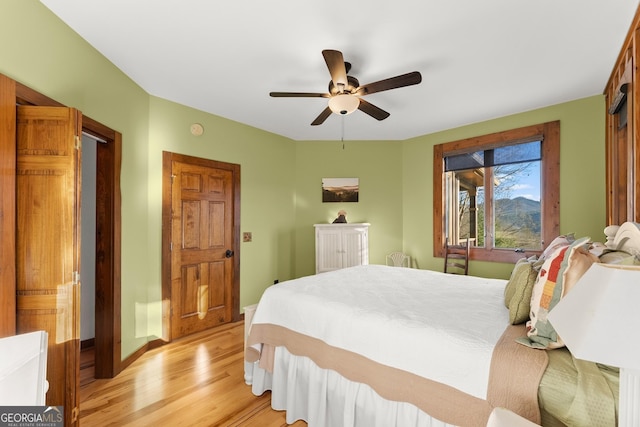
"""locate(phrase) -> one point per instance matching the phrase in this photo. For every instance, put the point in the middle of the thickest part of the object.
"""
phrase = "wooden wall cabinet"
(341, 245)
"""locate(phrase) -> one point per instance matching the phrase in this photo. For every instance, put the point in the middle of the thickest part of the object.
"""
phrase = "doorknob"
(228, 254)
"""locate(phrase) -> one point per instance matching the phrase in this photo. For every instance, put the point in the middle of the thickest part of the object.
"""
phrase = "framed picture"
(340, 189)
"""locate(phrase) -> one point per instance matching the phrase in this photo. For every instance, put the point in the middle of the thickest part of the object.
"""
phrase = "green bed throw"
(574, 392)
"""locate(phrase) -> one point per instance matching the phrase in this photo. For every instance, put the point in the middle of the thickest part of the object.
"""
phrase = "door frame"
(108, 225)
(167, 160)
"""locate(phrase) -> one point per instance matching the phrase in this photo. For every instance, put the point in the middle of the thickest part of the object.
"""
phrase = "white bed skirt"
(323, 398)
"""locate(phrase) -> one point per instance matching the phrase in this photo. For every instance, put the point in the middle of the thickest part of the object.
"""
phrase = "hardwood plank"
(197, 381)
(87, 366)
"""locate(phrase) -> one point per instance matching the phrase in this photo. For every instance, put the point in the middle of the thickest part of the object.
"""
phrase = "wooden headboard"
(622, 95)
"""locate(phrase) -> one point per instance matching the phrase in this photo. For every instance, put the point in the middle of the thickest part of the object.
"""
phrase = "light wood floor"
(195, 381)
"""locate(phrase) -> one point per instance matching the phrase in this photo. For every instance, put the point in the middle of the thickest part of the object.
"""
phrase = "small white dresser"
(341, 245)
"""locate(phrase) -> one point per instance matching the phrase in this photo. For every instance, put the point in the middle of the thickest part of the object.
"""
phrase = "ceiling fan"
(345, 93)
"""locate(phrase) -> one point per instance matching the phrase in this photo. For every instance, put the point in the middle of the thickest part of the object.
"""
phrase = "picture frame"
(340, 190)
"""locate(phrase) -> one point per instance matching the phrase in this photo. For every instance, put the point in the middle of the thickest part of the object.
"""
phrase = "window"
(499, 190)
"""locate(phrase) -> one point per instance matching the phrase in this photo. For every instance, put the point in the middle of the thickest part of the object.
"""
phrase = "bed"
(387, 346)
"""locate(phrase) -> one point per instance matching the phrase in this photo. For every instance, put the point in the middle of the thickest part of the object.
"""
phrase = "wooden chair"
(398, 259)
(456, 257)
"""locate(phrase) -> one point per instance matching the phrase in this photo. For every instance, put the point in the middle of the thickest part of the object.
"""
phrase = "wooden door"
(47, 243)
(203, 244)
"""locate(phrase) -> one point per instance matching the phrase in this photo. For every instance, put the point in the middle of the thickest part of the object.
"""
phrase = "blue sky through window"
(528, 185)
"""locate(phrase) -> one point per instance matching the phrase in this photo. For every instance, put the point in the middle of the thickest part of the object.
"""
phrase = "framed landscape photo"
(340, 189)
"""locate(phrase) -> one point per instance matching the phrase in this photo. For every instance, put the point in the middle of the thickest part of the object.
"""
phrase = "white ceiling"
(479, 59)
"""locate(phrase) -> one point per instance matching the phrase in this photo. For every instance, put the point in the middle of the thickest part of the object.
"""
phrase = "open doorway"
(108, 158)
(88, 259)
(108, 230)
(108, 238)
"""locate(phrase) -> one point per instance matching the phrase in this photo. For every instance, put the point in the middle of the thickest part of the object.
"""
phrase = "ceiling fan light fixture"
(345, 92)
(344, 103)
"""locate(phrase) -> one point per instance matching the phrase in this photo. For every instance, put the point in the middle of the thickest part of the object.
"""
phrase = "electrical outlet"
(246, 236)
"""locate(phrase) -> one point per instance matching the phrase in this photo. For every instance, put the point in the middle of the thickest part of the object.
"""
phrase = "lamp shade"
(344, 103)
(599, 318)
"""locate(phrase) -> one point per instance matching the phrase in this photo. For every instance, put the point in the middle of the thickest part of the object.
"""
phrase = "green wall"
(377, 165)
(266, 194)
(396, 184)
(280, 178)
(582, 176)
(40, 51)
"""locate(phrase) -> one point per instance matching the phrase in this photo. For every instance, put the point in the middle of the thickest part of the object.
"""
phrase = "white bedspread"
(439, 326)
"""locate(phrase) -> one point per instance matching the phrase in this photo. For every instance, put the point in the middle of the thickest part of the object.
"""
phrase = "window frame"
(549, 186)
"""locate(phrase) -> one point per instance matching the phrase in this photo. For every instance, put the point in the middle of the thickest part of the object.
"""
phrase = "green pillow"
(618, 257)
(510, 288)
(518, 291)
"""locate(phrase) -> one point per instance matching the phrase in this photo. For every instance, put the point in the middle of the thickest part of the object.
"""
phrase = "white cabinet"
(341, 245)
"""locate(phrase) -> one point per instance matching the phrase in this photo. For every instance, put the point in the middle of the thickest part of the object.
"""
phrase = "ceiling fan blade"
(322, 117)
(403, 80)
(299, 95)
(370, 109)
(337, 68)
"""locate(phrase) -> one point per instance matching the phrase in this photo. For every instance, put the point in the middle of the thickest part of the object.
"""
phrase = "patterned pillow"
(558, 242)
(536, 263)
(560, 271)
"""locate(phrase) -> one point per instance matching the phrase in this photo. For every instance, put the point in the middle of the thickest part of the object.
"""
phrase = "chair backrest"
(456, 258)
(398, 259)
